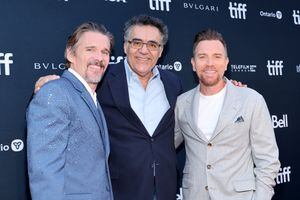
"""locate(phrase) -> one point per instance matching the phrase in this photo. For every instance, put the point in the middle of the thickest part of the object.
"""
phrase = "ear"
(125, 46)
(70, 55)
(193, 64)
(161, 50)
(227, 61)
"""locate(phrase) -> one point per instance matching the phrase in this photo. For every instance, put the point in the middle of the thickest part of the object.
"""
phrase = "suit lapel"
(192, 112)
(171, 96)
(85, 95)
(230, 107)
(119, 89)
(104, 129)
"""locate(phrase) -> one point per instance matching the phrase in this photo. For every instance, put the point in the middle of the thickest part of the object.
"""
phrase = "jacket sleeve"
(47, 129)
(177, 131)
(264, 151)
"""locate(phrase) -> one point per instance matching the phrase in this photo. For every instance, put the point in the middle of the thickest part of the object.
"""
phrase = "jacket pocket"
(244, 185)
(187, 177)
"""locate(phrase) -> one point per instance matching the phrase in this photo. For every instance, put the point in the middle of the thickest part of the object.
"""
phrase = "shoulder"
(245, 93)
(115, 69)
(170, 75)
(53, 91)
(187, 96)
(172, 80)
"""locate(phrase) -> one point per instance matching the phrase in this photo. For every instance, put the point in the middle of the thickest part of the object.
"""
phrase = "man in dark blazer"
(138, 101)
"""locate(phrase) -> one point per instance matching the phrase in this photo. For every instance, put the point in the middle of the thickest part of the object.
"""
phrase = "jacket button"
(209, 144)
(152, 139)
(208, 166)
(206, 188)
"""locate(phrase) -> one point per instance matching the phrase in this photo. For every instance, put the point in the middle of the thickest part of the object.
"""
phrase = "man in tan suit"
(231, 151)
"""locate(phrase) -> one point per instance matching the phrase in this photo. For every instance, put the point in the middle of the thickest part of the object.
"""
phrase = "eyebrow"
(143, 41)
(87, 47)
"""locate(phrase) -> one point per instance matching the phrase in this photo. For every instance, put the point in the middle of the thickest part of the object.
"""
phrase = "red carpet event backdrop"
(264, 50)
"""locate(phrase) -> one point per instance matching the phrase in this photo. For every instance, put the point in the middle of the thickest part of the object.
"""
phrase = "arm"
(264, 151)
(178, 134)
(42, 80)
(47, 127)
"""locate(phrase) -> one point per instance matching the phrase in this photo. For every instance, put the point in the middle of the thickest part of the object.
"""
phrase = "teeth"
(142, 58)
(210, 72)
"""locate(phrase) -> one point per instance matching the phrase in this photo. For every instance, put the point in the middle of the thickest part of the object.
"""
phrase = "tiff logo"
(283, 175)
(296, 15)
(275, 67)
(237, 10)
(6, 61)
(280, 123)
(160, 5)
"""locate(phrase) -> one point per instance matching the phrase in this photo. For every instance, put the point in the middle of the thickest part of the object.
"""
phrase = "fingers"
(42, 80)
(238, 83)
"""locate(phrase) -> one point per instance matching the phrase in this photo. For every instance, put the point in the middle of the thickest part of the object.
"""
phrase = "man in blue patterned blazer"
(68, 144)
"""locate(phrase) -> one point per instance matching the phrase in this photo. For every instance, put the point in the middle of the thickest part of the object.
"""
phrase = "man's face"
(91, 56)
(142, 60)
(210, 62)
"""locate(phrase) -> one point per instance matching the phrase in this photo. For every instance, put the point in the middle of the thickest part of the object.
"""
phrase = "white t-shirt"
(209, 111)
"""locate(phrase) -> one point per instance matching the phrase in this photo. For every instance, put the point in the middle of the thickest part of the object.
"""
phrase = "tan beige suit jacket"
(240, 161)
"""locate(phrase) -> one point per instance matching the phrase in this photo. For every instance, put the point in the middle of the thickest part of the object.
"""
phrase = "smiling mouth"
(97, 63)
(142, 59)
(209, 72)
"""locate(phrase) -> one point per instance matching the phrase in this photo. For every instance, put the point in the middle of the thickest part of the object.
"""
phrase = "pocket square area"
(239, 119)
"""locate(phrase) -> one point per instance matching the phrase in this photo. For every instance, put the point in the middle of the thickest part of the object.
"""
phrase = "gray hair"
(146, 20)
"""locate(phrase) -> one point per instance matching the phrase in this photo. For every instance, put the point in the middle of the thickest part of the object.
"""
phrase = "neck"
(93, 86)
(211, 90)
(144, 80)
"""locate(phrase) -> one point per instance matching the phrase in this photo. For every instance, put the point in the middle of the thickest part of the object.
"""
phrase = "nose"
(209, 61)
(98, 56)
(144, 49)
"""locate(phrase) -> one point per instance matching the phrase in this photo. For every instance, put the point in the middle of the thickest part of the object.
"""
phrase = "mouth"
(96, 64)
(142, 58)
(209, 72)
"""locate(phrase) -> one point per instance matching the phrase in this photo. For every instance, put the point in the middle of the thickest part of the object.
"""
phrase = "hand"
(238, 83)
(42, 80)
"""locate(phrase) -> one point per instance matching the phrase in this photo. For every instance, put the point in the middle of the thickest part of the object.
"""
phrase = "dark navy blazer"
(136, 156)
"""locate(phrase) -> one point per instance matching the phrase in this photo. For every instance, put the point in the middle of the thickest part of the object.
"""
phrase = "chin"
(209, 83)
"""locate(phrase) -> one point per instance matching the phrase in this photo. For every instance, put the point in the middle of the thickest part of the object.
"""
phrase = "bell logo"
(275, 67)
(296, 16)
(5, 61)
(280, 123)
(17, 145)
(160, 5)
(237, 10)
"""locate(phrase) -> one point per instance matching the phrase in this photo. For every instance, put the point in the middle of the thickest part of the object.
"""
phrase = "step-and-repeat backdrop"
(264, 50)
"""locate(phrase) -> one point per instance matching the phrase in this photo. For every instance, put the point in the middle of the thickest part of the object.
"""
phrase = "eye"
(89, 49)
(105, 52)
(137, 43)
(201, 56)
(152, 45)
